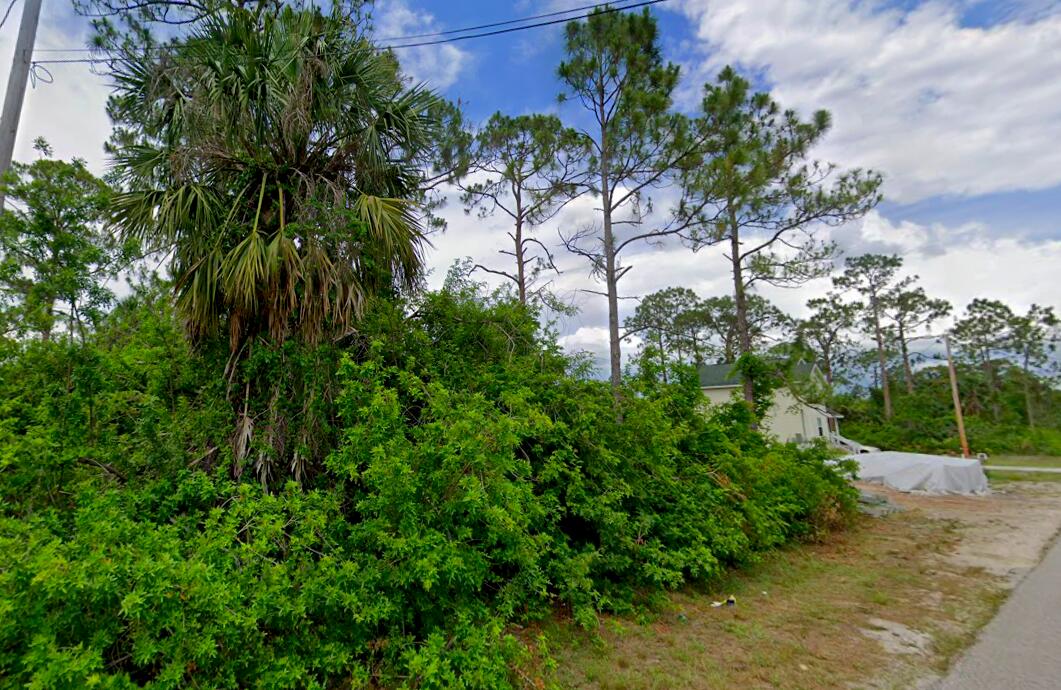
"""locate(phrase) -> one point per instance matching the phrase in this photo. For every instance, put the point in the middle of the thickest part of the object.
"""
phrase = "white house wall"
(788, 418)
(718, 396)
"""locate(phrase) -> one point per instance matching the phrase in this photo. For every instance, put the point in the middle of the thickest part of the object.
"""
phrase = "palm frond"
(260, 137)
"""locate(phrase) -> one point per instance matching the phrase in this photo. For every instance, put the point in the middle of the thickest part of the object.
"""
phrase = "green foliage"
(1006, 384)
(528, 167)
(924, 420)
(875, 278)
(681, 328)
(474, 480)
(756, 177)
(274, 157)
(826, 332)
(131, 403)
(758, 193)
(54, 257)
(614, 68)
(277, 159)
(911, 309)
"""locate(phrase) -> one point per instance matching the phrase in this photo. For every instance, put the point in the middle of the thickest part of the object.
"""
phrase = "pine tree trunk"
(908, 372)
(662, 357)
(521, 273)
(49, 320)
(740, 302)
(1028, 392)
(992, 385)
(610, 279)
(879, 333)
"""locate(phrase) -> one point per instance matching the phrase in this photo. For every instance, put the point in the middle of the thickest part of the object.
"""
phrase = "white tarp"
(937, 474)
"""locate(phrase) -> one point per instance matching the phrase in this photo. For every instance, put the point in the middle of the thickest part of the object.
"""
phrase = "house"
(789, 418)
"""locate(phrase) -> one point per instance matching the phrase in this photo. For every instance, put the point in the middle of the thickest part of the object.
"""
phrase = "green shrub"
(477, 479)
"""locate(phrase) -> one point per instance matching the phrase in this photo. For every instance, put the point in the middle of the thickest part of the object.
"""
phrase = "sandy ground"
(1005, 533)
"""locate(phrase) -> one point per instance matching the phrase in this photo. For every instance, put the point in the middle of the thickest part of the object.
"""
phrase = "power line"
(606, 9)
(7, 14)
(433, 34)
(496, 24)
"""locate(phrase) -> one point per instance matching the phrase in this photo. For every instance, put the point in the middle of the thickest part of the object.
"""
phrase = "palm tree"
(276, 155)
(275, 159)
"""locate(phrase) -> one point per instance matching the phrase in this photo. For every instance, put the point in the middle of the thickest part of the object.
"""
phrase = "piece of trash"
(804, 667)
(730, 601)
(765, 594)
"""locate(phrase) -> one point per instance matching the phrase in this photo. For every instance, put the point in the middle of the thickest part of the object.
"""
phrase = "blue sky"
(956, 102)
(516, 73)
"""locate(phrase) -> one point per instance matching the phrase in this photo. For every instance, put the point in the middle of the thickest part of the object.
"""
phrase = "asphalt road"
(1021, 648)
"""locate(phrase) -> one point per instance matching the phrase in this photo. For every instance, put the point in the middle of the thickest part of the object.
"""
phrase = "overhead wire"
(7, 13)
(410, 37)
(492, 25)
(607, 8)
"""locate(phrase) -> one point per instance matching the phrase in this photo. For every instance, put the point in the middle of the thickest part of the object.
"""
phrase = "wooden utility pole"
(956, 398)
(16, 85)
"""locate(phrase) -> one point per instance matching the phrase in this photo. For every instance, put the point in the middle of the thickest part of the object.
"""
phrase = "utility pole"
(16, 85)
(956, 398)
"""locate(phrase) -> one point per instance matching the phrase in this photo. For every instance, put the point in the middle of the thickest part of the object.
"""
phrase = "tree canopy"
(759, 195)
(274, 162)
(55, 258)
(526, 167)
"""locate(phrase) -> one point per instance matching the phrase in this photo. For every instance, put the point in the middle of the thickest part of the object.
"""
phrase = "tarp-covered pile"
(937, 474)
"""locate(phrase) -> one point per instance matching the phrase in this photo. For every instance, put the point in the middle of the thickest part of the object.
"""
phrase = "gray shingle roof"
(718, 375)
(723, 375)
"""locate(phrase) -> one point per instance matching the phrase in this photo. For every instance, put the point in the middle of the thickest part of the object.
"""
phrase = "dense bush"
(995, 420)
(478, 479)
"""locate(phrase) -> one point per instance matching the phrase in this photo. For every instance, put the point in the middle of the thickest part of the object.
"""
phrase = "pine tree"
(614, 69)
(527, 167)
(875, 277)
(763, 195)
(911, 309)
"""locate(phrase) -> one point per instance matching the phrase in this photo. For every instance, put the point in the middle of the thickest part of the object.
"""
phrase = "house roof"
(718, 376)
(724, 376)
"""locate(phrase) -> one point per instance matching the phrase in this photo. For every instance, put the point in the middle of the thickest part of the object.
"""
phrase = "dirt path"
(889, 605)
(1005, 533)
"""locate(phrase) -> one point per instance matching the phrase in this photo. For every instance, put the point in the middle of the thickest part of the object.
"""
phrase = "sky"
(956, 102)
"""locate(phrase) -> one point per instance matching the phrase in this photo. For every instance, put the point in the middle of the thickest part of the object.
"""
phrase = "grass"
(799, 618)
(996, 476)
(1023, 461)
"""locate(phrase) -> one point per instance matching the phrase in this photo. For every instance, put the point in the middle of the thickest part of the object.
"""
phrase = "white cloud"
(439, 66)
(817, 56)
(967, 261)
(939, 107)
(957, 263)
(592, 339)
(69, 112)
